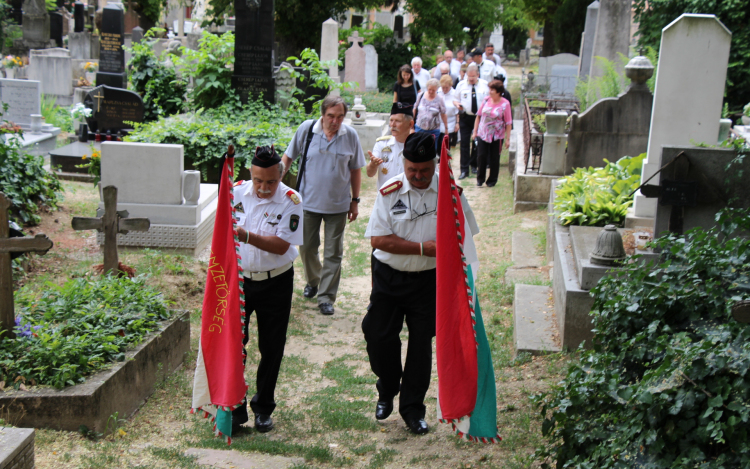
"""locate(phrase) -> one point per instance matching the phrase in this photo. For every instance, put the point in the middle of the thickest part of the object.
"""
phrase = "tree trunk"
(548, 46)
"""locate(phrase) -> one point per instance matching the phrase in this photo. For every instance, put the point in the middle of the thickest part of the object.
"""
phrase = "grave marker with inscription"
(22, 97)
(253, 50)
(355, 65)
(112, 108)
(111, 54)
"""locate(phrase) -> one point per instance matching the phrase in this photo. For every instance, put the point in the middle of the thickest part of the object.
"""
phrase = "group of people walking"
(464, 100)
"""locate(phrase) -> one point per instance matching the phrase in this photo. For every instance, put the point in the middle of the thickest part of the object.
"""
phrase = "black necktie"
(473, 99)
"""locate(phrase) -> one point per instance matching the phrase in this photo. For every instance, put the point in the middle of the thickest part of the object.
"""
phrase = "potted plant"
(10, 63)
(79, 113)
(90, 72)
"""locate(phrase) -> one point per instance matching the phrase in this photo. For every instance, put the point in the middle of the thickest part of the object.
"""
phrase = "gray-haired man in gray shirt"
(330, 194)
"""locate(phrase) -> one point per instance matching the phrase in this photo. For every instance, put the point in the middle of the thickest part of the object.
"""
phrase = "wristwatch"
(355, 199)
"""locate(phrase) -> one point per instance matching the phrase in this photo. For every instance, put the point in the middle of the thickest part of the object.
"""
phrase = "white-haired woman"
(449, 95)
(420, 74)
(430, 110)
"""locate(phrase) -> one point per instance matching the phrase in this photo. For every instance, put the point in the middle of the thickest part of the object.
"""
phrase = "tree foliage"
(569, 22)
(653, 15)
(441, 19)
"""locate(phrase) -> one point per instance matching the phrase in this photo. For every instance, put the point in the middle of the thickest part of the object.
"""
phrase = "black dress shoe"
(263, 423)
(310, 292)
(490, 184)
(383, 409)
(473, 170)
(463, 175)
(479, 184)
(326, 309)
(417, 426)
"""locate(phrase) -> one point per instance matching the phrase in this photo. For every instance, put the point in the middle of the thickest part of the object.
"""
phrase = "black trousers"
(452, 139)
(488, 154)
(398, 295)
(272, 302)
(468, 149)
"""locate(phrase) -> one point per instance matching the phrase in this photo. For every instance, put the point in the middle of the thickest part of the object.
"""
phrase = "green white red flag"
(466, 378)
(219, 385)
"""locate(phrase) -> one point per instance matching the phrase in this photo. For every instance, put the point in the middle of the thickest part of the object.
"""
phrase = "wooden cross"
(111, 223)
(39, 243)
(354, 38)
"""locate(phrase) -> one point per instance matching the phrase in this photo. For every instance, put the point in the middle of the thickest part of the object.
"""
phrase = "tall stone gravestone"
(53, 69)
(371, 68)
(356, 62)
(689, 91)
(113, 109)
(56, 28)
(329, 45)
(612, 33)
(587, 44)
(79, 17)
(253, 50)
(35, 24)
(111, 54)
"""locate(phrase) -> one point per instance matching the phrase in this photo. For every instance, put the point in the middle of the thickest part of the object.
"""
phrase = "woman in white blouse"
(451, 111)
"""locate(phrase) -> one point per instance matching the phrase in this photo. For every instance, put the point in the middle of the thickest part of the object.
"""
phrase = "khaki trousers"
(326, 276)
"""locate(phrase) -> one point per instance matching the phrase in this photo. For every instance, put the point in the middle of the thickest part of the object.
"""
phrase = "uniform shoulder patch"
(394, 186)
(293, 195)
(384, 137)
(238, 183)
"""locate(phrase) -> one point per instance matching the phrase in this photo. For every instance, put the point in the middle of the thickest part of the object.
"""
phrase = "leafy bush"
(391, 56)
(207, 134)
(319, 83)
(373, 100)
(23, 179)
(56, 115)
(598, 196)
(210, 69)
(667, 383)
(68, 332)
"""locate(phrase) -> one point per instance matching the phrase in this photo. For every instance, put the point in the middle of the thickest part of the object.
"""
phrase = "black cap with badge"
(419, 147)
(401, 108)
(265, 157)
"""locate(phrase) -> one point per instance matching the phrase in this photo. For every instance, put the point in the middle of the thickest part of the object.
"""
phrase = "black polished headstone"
(113, 109)
(111, 54)
(253, 50)
(56, 28)
(16, 13)
(79, 15)
(136, 35)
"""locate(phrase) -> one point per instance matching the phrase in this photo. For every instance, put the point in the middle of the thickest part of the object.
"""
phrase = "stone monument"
(56, 28)
(612, 33)
(53, 69)
(691, 42)
(587, 44)
(36, 24)
(356, 62)
(329, 45)
(253, 50)
(113, 109)
(371, 68)
(111, 54)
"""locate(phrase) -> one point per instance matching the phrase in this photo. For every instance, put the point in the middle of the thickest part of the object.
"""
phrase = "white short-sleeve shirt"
(464, 90)
(391, 152)
(410, 214)
(280, 215)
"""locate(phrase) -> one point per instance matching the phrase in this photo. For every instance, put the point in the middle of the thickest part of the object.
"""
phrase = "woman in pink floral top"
(492, 127)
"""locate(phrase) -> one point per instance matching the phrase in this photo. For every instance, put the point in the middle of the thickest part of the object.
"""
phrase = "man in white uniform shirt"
(403, 229)
(486, 67)
(471, 92)
(420, 74)
(269, 225)
(385, 158)
(489, 53)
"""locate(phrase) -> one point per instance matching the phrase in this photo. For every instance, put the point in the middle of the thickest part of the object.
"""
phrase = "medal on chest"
(385, 154)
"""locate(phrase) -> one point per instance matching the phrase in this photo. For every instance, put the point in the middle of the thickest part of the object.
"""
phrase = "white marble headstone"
(22, 97)
(144, 173)
(371, 68)
(587, 44)
(689, 91)
(53, 69)
(612, 33)
(329, 44)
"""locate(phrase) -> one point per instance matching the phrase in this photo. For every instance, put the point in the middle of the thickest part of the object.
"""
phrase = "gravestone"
(136, 35)
(56, 28)
(329, 44)
(36, 24)
(398, 27)
(356, 62)
(53, 70)
(79, 45)
(691, 42)
(111, 54)
(112, 109)
(587, 44)
(371, 68)
(546, 64)
(152, 184)
(79, 16)
(612, 33)
(16, 13)
(253, 50)
(562, 80)
(22, 98)
(39, 243)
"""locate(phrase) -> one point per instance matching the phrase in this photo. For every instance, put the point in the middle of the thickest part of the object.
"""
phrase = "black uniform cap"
(419, 147)
(401, 108)
(265, 157)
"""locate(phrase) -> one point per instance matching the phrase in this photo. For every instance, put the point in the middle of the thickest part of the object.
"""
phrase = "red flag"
(455, 343)
(219, 376)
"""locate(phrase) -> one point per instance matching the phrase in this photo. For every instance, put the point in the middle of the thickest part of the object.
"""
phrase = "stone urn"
(639, 70)
(36, 123)
(609, 249)
(191, 186)
(359, 111)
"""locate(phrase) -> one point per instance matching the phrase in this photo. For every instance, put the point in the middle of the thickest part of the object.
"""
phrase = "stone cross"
(355, 38)
(39, 243)
(356, 61)
(111, 223)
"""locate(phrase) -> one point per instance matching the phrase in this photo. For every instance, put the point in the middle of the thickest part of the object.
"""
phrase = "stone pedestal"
(553, 155)
(369, 131)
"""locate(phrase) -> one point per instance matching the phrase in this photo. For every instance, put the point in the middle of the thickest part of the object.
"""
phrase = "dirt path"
(326, 393)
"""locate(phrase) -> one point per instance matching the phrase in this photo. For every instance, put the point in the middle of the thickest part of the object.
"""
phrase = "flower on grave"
(10, 128)
(80, 112)
(90, 67)
(12, 62)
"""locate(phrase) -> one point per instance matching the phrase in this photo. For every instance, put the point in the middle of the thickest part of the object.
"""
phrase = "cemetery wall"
(16, 448)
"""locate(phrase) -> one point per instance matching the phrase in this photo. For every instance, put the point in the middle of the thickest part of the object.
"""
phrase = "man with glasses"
(329, 180)
(402, 229)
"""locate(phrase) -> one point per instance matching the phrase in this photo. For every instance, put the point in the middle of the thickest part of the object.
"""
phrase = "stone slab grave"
(356, 62)
(52, 69)
(16, 448)
(535, 330)
(23, 99)
(691, 42)
(562, 80)
(111, 54)
(547, 63)
(152, 184)
(253, 50)
(113, 109)
(64, 161)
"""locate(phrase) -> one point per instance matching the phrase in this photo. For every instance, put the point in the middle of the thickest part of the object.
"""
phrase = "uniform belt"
(258, 276)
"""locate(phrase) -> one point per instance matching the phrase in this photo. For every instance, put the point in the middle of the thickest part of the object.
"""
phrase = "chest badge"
(385, 170)
(294, 222)
(239, 208)
(399, 208)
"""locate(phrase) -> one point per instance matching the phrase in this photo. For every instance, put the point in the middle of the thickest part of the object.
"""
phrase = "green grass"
(176, 458)
(382, 457)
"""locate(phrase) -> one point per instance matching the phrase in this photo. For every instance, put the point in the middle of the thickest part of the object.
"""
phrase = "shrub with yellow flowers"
(93, 164)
